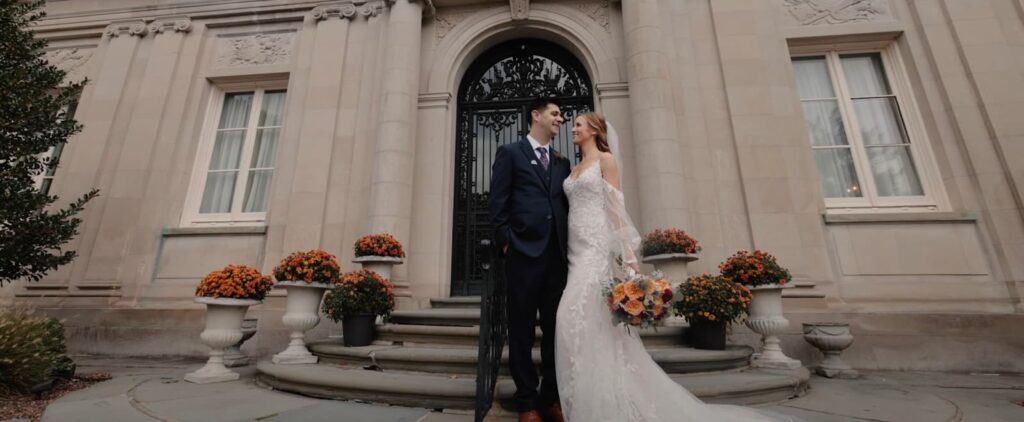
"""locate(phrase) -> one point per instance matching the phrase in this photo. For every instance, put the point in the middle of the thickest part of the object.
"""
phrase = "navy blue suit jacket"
(527, 203)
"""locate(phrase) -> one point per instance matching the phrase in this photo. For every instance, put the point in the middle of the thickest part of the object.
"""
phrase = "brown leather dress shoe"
(554, 413)
(530, 416)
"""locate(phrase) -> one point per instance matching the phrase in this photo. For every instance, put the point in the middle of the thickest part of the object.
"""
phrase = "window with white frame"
(45, 179)
(864, 130)
(236, 161)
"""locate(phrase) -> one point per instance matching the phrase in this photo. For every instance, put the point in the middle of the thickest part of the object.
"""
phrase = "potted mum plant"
(379, 253)
(709, 303)
(762, 274)
(306, 275)
(670, 250)
(227, 294)
(357, 300)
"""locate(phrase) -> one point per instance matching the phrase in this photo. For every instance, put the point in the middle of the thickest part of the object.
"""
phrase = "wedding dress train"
(604, 373)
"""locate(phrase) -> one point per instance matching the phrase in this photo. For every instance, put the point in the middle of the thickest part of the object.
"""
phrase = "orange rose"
(619, 292)
(634, 291)
(634, 307)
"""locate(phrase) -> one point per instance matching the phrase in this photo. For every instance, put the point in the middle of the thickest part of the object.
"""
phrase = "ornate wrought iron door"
(495, 93)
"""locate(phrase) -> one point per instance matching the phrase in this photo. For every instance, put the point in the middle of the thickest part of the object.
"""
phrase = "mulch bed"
(26, 407)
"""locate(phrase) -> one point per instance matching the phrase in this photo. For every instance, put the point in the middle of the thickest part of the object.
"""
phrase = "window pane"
(894, 171)
(265, 152)
(220, 188)
(812, 77)
(258, 190)
(235, 113)
(824, 123)
(273, 109)
(865, 75)
(227, 149)
(54, 159)
(880, 121)
(838, 175)
(45, 188)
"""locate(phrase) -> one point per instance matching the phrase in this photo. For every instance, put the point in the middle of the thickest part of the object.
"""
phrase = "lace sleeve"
(624, 236)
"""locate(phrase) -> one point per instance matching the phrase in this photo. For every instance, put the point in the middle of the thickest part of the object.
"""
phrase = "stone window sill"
(214, 231)
(902, 217)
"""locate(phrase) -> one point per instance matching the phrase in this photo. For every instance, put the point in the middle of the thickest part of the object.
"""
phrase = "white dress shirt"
(534, 145)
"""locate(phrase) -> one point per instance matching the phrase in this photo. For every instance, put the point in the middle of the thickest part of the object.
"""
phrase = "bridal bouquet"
(638, 299)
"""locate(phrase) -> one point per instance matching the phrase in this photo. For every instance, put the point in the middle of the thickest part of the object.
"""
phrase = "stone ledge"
(213, 231)
(907, 217)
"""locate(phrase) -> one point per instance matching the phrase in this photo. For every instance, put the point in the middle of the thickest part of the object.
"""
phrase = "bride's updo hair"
(596, 121)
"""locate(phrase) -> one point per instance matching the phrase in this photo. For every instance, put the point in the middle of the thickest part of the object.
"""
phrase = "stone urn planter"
(379, 264)
(223, 328)
(302, 313)
(233, 356)
(358, 329)
(831, 338)
(765, 317)
(673, 265)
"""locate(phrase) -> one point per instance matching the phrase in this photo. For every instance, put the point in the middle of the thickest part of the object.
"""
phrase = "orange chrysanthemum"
(380, 244)
(235, 282)
(314, 266)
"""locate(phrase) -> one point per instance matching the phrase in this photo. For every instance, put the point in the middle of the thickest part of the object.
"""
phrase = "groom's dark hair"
(539, 105)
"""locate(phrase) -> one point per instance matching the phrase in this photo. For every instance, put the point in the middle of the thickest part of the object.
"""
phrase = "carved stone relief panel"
(254, 49)
(71, 60)
(830, 12)
(598, 10)
(446, 19)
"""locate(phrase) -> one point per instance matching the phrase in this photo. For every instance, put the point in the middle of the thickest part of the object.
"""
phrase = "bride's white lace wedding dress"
(604, 373)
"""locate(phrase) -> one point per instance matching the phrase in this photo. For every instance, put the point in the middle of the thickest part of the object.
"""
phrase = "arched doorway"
(493, 97)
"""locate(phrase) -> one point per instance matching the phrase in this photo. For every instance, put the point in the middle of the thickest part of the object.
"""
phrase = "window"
(236, 161)
(45, 180)
(866, 151)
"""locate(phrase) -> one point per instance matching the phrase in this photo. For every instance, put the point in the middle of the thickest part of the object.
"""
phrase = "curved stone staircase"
(428, 358)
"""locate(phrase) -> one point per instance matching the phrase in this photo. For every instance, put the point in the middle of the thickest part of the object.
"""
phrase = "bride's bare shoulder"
(608, 162)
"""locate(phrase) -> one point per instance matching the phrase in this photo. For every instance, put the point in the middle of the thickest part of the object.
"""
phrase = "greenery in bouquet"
(235, 282)
(668, 241)
(380, 244)
(757, 268)
(314, 266)
(638, 299)
(360, 292)
(711, 298)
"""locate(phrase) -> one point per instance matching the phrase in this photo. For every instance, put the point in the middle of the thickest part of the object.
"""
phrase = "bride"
(603, 372)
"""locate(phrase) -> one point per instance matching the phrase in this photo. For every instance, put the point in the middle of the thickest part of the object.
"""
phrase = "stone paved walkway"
(146, 390)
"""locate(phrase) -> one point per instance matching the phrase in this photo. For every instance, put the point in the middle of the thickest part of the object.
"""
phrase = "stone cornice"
(348, 9)
(131, 28)
(176, 24)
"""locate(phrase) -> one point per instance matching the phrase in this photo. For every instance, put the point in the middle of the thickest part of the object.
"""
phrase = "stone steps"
(437, 391)
(456, 302)
(468, 336)
(461, 360)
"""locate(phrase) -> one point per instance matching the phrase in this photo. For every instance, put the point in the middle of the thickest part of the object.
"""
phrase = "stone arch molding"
(480, 30)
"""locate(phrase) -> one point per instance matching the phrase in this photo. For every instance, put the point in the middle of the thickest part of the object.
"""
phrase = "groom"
(529, 212)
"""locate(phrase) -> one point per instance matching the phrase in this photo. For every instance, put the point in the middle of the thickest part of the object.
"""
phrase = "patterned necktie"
(543, 156)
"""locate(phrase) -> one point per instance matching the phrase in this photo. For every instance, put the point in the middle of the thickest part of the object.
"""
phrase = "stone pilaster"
(319, 122)
(93, 154)
(394, 151)
(661, 185)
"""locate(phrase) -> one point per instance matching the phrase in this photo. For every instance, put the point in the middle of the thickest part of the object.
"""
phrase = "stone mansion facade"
(875, 146)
